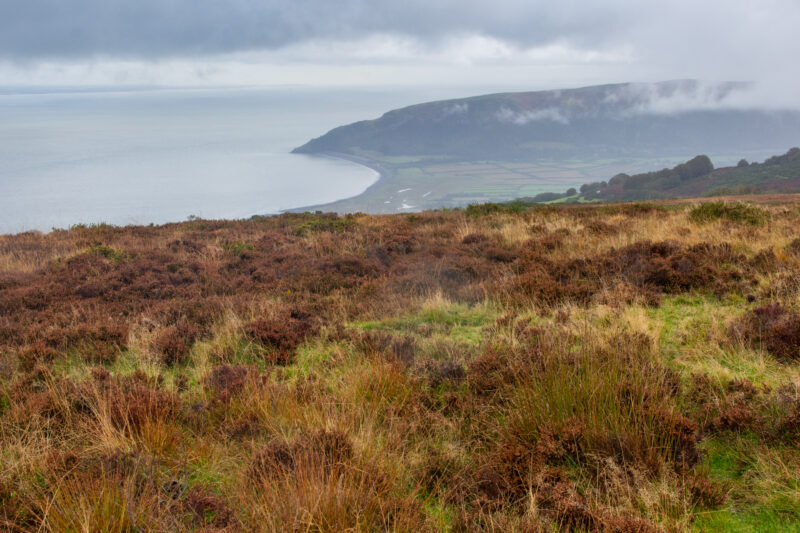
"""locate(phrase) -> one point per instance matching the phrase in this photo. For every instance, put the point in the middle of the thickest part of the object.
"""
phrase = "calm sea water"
(136, 157)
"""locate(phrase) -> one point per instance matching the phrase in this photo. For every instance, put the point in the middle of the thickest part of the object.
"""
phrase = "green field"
(421, 182)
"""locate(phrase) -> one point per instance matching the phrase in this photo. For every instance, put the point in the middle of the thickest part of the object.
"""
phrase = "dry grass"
(601, 368)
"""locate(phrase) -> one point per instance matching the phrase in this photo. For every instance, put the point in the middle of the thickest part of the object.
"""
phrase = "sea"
(127, 156)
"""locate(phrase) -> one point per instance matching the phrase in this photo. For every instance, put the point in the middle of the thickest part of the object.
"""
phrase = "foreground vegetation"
(629, 368)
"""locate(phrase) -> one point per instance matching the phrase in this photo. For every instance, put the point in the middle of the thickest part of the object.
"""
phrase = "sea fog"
(140, 156)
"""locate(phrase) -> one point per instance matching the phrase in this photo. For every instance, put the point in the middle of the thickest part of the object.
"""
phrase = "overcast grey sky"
(520, 43)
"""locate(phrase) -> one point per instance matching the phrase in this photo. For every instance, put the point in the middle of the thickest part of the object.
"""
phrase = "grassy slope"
(450, 371)
(777, 175)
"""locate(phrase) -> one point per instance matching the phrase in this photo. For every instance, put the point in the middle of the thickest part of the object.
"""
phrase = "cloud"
(157, 28)
(697, 95)
(533, 43)
(521, 118)
(456, 109)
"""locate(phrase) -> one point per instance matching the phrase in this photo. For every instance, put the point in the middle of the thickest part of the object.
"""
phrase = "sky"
(468, 43)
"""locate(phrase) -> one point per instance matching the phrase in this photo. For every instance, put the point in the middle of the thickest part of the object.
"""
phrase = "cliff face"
(670, 118)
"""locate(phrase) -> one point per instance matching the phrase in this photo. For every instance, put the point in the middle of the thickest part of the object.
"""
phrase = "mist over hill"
(621, 120)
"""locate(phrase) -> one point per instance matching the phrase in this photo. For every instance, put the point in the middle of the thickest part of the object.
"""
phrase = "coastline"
(384, 175)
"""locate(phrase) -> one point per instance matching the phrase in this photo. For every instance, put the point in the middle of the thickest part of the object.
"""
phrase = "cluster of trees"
(790, 156)
(694, 177)
(666, 178)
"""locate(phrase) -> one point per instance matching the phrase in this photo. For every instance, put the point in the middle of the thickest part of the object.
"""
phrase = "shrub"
(653, 268)
(734, 212)
(131, 405)
(438, 372)
(789, 427)
(773, 328)
(706, 492)
(112, 254)
(735, 417)
(175, 342)
(34, 354)
(226, 381)
(237, 248)
(324, 223)
(209, 509)
(403, 349)
(794, 247)
(280, 336)
(489, 208)
(321, 450)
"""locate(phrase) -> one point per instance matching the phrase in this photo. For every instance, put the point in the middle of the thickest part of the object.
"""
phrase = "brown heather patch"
(439, 372)
(705, 492)
(280, 336)
(774, 328)
(488, 373)
(789, 426)
(175, 342)
(652, 268)
(226, 381)
(735, 417)
(322, 449)
(131, 404)
(598, 227)
(210, 511)
(794, 247)
(36, 353)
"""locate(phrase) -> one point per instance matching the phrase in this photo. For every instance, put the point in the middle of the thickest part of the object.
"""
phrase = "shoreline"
(384, 174)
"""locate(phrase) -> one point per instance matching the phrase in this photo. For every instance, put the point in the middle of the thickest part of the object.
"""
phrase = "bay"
(162, 155)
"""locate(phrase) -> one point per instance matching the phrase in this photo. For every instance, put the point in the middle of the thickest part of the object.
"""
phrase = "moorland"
(621, 367)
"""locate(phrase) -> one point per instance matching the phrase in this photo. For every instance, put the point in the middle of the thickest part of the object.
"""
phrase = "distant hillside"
(697, 177)
(622, 120)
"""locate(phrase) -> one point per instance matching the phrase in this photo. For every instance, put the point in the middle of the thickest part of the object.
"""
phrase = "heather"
(628, 368)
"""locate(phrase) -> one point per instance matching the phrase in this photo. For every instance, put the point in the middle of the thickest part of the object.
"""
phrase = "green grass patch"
(5, 403)
(459, 322)
(491, 208)
(312, 356)
(440, 515)
(684, 321)
(207, 474)
(723, 460)
(112, 254)
(692, 334)
(237, 247)
(323, 224)
(764, 488)
(752, 521)
(734, 212)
